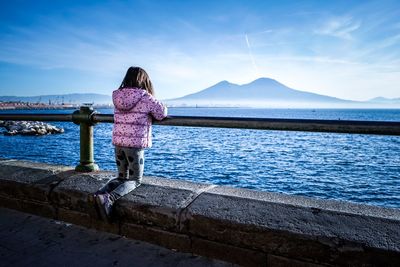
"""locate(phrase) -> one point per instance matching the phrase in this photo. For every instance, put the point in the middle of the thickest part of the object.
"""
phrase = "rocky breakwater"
(29, 128)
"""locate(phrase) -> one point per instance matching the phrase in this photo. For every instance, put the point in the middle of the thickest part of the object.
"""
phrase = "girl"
(135, 107)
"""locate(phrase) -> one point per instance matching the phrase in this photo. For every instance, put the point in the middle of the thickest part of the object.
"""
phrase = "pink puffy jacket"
(133, 113)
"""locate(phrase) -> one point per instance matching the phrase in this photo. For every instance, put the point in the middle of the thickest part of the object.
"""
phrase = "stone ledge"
(292, 227)
(159, 202)
(242, 226)
(29, 180)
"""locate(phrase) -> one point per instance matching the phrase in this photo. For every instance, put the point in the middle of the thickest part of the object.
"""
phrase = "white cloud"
(340, 27)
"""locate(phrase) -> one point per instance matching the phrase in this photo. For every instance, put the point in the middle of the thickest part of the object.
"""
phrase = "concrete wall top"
(208, 216)
(317, 219)
(28, 172)
(307, 202)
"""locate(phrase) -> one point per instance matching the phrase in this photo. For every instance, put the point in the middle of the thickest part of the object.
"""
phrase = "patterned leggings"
(130, 164)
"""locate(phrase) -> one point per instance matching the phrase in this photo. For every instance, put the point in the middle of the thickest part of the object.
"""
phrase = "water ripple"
(357, 168)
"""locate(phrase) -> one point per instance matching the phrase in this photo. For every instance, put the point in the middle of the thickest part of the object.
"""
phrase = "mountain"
(97, 99)
(261, 92)
(383, 100)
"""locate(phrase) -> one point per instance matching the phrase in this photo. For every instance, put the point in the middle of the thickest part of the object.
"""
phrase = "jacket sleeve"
(156, 108)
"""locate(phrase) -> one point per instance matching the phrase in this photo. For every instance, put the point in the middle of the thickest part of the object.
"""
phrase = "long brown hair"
(137, 77)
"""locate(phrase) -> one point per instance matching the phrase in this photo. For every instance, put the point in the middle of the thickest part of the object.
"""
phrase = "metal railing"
(86, 118)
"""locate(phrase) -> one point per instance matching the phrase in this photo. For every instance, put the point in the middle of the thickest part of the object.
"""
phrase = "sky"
(345, 49)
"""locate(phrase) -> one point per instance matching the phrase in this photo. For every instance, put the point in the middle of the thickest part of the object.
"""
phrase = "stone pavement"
(29, 240)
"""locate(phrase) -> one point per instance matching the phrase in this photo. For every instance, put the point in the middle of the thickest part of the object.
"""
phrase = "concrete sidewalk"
(29, 240)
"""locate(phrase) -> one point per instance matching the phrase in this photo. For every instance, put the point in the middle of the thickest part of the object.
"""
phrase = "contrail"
(251, 55)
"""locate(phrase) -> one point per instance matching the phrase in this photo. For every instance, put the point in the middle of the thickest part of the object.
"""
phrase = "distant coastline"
(33, 106)
(260, 93)
(28, 105)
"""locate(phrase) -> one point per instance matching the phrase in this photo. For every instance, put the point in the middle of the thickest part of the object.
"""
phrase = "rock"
(42, 131)
(11, 133)
(29, 128)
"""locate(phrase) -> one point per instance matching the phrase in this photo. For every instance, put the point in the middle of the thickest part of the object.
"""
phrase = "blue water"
(352, 167)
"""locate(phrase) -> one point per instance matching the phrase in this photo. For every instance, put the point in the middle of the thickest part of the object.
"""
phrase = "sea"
(351, 167)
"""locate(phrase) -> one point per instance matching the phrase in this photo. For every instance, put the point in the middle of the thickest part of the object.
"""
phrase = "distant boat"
(88, 104)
